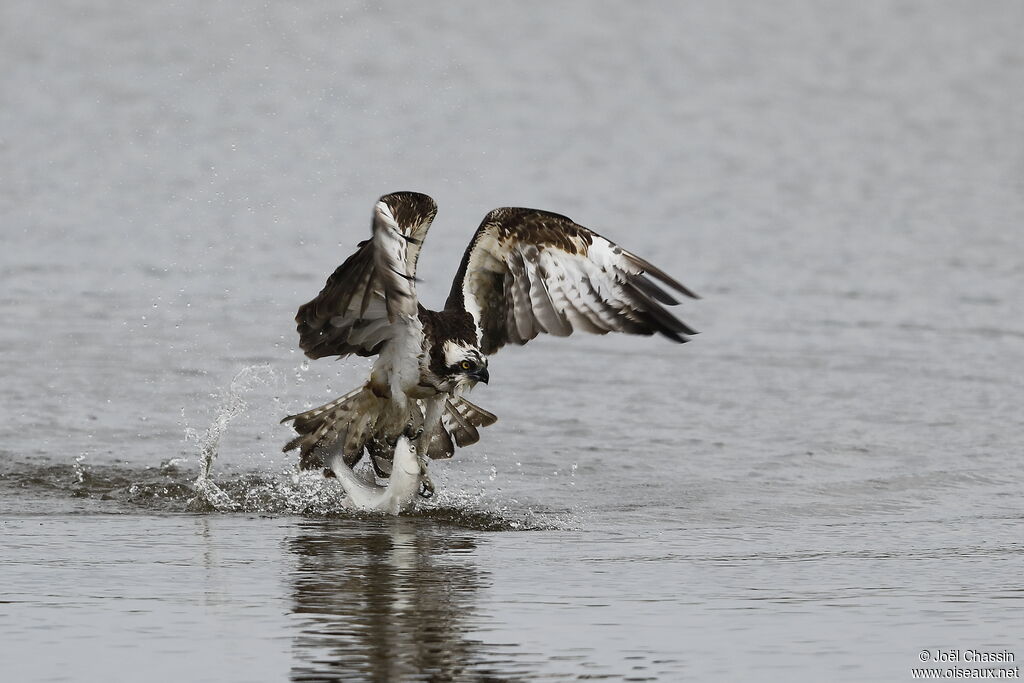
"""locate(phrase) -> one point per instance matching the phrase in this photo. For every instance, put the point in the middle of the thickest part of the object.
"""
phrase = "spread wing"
(356, 310)
(528, 271)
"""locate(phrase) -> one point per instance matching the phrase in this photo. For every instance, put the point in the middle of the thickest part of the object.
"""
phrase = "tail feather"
(353, 420)
(349, 418)
(463, 430)
(474, 413)
(461, 418)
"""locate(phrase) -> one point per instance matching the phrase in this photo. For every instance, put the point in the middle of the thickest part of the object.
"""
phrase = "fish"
(408, 478)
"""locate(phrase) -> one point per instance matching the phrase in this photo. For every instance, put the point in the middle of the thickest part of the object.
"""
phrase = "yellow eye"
(465, 365)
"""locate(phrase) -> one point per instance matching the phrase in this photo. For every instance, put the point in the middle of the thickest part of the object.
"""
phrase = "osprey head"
(461, 364)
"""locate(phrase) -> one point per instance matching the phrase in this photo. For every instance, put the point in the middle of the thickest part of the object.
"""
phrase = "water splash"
(231, 405)
(482, 510)
(174, 486)
(79, 468)
(122, 488)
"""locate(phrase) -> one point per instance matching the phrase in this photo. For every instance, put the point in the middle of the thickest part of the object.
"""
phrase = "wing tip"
(408, 207)
(649, 267)
(679, 338)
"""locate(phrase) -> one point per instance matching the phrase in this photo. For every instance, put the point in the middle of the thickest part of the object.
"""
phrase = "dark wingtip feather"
(657, 317)
(678, 337)
(652, 290)
(660, 274)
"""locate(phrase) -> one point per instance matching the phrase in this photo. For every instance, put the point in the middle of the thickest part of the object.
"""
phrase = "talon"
(426, 489)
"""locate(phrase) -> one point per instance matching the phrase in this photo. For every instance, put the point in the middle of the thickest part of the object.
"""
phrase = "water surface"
(824, 483)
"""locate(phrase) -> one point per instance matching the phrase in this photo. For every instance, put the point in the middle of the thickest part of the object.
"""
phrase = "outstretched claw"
(426, 485)
(426, 488)
(413, 434)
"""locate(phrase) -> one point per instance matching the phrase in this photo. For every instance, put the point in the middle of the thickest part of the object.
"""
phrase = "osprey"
(524, 272)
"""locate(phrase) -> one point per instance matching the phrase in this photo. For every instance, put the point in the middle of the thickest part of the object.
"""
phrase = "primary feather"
(525, 272)
(528, 272)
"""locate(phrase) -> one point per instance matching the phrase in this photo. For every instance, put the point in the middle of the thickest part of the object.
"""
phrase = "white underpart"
(399, 360)
(400, 493)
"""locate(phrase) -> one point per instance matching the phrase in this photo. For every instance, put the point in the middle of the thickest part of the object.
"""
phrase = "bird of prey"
(525, 272)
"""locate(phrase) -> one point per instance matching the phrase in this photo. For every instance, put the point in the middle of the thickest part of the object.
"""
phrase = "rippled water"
(823, 484)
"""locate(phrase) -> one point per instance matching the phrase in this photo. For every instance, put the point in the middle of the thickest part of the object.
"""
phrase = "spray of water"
(231, 405)
(286, 490)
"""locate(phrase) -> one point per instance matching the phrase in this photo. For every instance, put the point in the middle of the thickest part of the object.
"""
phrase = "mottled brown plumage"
(528, 271)
(525, 272)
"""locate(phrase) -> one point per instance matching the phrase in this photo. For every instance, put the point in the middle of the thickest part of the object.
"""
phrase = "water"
(819, 487)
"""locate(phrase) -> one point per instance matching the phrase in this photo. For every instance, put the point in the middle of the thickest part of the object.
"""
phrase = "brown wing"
(528, 271)
(355, 310)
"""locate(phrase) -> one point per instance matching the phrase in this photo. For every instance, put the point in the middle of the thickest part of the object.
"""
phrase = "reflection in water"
(384, 600)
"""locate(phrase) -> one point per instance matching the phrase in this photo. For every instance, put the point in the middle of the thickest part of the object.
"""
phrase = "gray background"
(821, 485)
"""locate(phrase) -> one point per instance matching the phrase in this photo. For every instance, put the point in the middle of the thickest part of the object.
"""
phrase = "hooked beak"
(480, 375)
